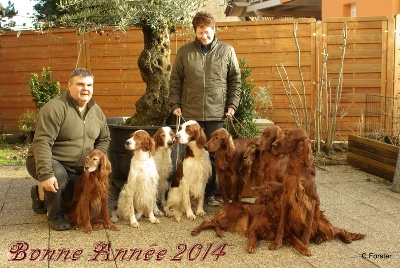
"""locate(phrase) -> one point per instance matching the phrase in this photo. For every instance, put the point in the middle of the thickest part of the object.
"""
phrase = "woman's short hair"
(203, 19)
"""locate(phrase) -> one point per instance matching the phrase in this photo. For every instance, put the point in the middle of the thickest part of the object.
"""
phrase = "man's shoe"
(59, 224)
(38, 205)
(212, 202)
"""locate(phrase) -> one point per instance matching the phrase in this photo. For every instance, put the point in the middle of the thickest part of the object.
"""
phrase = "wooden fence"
(370, 65)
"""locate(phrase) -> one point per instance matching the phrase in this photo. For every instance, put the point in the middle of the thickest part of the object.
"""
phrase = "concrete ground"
(351, 199)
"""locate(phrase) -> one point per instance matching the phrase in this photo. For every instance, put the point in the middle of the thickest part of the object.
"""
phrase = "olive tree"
(157, 19)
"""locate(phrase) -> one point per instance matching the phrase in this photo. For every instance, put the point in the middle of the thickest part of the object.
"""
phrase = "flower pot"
(372, 156)
(119, 156)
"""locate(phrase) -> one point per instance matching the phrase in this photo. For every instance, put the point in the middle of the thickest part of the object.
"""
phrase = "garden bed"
(373, 156)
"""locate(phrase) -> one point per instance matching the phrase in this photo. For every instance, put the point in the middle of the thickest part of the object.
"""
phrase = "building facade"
(360, 8)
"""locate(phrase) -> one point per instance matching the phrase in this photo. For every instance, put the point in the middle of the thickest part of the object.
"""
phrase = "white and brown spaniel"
(164, 140)
(192, 173)
(140, 191)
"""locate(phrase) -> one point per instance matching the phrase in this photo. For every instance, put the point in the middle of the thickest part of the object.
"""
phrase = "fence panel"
(371, 60)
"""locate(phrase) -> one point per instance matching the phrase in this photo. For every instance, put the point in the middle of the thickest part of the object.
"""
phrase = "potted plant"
(156, 19)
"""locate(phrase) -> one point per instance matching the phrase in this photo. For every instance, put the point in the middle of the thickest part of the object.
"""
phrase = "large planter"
(119, 156)
(372, 156)
(262, 124)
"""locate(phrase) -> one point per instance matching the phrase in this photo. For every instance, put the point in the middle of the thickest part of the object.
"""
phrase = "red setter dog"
(251, 161)
(228, 163)
(297, 203)
(89, 210)
(232, 217)
(265, 218)
(299, 206)
(272, 166)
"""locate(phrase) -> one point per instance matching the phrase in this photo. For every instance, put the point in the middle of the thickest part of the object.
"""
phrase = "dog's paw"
(113, 227)
(158, 213)
(135, 224)
(169, 213)
(195, 232)
(191, 217)
(274, 246)
(114, 217)
(251, 249)
(200, 213)
(155, 220)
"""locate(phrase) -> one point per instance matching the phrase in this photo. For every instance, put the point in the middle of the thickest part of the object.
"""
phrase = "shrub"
(26, 124)
(244, 126)
(43, 90)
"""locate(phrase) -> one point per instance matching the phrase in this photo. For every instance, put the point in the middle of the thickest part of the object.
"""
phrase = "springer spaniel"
(191, 175)
(164, 140)
(139, 192)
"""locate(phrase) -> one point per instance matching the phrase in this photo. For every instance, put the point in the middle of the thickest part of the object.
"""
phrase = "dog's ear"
(230, 146)
(308, 153)
(152, 146)
(304, 151)
(105, 165)
(201, 139)
(157, 138)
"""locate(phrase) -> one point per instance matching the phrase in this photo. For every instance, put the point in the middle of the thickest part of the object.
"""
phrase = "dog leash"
(229, 118)
(178, 124)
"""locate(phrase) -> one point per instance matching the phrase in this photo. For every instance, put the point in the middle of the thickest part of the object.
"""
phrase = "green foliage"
(43, 89)
(48, 10)
(93, 15)
(244, 126)
(6, 15)
(27, 123)
(10, 11)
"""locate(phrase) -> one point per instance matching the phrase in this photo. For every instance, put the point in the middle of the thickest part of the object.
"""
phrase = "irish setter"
(232, 217)
(228, 163)
(272, 166)
(251, 161)
(89, 210)
(299, 206)
(264, 224)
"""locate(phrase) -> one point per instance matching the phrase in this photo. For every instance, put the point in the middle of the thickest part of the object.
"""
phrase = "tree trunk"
(155, 68)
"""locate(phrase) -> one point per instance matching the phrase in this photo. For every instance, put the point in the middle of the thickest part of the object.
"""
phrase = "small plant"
(43, 89)
(244, 126)
(26, 124)
(263, 102)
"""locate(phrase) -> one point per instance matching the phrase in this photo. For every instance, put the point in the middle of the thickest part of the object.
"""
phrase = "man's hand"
(50, 185)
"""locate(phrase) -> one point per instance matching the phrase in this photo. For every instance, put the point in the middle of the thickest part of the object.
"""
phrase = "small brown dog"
(89, 210)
